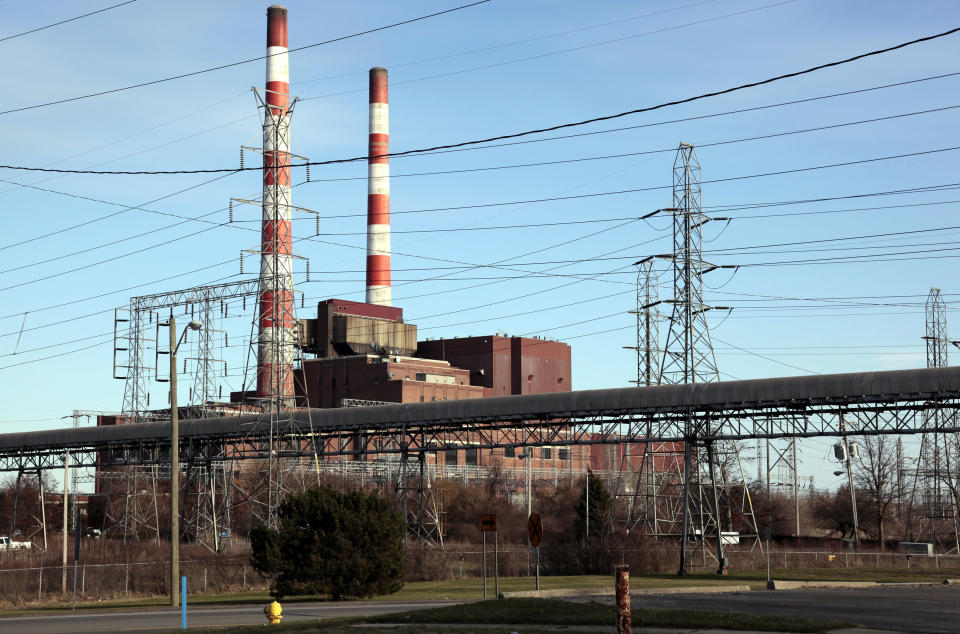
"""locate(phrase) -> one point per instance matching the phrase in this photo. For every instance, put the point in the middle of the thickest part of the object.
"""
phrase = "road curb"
(799, 585)
(603, 592)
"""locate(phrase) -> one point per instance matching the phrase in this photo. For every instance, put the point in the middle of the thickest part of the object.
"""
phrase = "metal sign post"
(488, 524)
(535, 534)
(183, 603)
(536, 562)
(496, 567)
(770, 585)
(484, 533)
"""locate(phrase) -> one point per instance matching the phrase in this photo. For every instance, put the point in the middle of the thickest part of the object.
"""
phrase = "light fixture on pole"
(527, 456)
(175, 459)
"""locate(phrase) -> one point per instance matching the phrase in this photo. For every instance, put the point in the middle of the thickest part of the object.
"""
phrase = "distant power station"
(350, 354)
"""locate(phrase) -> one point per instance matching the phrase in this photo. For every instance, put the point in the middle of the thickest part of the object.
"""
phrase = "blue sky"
(496, 68)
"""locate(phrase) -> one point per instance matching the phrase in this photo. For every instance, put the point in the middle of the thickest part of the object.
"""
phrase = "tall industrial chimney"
(378, 193)
(276, 310)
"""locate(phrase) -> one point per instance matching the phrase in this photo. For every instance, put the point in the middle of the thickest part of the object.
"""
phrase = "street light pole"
(174, 472)
(530, 482)
(175, 460)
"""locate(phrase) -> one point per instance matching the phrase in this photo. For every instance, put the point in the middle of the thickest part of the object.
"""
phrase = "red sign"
(534, 529)
(488, 523)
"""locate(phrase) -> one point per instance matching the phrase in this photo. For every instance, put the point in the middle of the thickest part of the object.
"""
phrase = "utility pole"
(175, 459)
(174, 471)
(66, 518)
(853, 489)
(796, 488)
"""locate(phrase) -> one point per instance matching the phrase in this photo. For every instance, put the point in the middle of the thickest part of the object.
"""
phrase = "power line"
(771, 359)
(659, 187)
(645, 152)
(741, 205)
(125, 208)
(515, 42)
(565, 50)
(79, 17)
(239, 63)
(699, 117)
(514, 135)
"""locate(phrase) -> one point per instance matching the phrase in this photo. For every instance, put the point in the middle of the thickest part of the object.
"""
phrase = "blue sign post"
(183, 603)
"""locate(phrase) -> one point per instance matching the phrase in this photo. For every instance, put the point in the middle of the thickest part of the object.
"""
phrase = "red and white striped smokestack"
(276, 311)
(378, 193)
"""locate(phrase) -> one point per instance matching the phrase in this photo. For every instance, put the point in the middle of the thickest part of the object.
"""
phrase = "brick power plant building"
(367, 355)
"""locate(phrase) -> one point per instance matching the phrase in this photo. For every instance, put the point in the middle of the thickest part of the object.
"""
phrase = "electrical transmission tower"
(649, 503)
(207, 490)
(276, 339)
(688, 357)
(935, 496)
(648, 325)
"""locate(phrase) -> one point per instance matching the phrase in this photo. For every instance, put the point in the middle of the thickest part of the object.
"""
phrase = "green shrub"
(331, 542)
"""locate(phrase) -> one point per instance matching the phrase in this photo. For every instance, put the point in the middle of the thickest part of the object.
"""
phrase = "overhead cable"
(514, 135)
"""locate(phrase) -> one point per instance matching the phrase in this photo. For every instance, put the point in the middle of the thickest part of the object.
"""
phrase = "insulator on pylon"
(241, 273)
(148, 399)
(244, 299)
(224, 368)
(220, 391)
(186, 308)
(226, 341)
(184, 366)
(241, 157)
(191, 311)
(226, 310)
(231, 211)
(191, 394)
(318, 224)
(308, 171)
(308, 272)
(302, 297)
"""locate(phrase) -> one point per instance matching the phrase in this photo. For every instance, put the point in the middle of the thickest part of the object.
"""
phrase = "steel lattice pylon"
(131, 335)
(649, 504)
(275, 338)
(688, 357)
(648, 324)
(935, 491)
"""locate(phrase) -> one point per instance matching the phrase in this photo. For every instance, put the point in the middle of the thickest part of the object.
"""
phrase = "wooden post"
(624, 617)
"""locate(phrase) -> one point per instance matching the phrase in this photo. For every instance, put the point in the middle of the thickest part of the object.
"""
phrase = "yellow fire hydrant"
(274, 613)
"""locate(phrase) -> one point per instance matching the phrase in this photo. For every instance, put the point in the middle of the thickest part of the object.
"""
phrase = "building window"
(471, 457)
(563, 454)
(546, 453)
(421, 400)
(421, 376)
(509, 452)
(451, 456)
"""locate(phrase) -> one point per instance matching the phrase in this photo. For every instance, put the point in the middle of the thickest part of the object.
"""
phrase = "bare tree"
(876, 476)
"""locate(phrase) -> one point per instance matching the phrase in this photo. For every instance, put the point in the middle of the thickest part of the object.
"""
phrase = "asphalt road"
(167, 619)
(898, 608)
